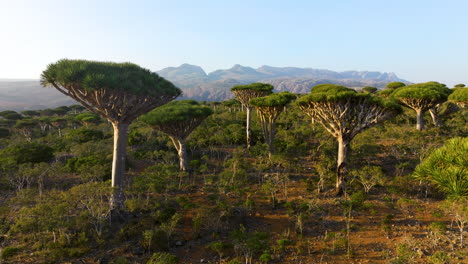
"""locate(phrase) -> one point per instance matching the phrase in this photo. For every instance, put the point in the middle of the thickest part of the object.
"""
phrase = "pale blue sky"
(418, 40)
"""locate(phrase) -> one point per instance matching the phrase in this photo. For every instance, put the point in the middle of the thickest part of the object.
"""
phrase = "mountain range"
(215, 86)
(197, 84)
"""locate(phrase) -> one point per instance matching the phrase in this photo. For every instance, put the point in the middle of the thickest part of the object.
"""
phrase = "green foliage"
(369, 89)
(265, 87)
(83, 135)
(10, 115)
(447, 167)
(27, 153)
(231, 103)
(90, 168)
(156, 178)
(163, 258)
(87, 118)
(273, 100)
(460, 85)
(439, 257)
(176, 112)
(385, 92)
(4, 132)
(336, 93)
(250, 244)
(327, 92)
(8, 252)
(395, 85)
(25, 124)
(94, 75)
(30, 113)
(369, 176)
(429, 91)
(459, 95)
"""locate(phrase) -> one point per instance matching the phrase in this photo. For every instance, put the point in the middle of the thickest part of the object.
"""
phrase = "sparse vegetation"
(405, 197)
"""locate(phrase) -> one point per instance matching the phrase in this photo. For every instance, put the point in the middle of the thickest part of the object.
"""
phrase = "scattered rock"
(179, 243)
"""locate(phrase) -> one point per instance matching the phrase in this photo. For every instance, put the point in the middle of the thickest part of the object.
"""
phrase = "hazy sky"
(418, 40)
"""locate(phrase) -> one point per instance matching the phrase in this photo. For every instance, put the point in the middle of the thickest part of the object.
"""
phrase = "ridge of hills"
(198, 85)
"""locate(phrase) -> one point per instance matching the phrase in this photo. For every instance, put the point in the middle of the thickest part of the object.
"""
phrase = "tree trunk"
(118, 164)
(271, 137)
(343, 146)
(248, 131)
(435, 117)
(182, 151)
(419, 119)
(181, 148)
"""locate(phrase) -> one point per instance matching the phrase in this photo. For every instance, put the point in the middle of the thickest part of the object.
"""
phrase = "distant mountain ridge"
(197, 84)
(215, 86)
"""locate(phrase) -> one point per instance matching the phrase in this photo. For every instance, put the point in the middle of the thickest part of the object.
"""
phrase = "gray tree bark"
(343, 147)
(182, 151)
(181, 148)
(435, 117)
(419, 119)
(248, 130)
(118, 164)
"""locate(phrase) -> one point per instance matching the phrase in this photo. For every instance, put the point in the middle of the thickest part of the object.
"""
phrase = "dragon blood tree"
(344, 113)
(269, 108)
(178, 119)
(421, 97)
(244, 93)
(459, 96)
(120, 92)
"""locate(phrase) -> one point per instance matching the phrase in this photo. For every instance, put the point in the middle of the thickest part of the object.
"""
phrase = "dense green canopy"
(25, 123)
(385, 92)
(429, 90)
(447, 168)
(369, 89)
(459, 95)
(254, 87)
(395, 85)
(94, 75)
(10, 115)
(335, 93)
(176, 111)
(273, 100)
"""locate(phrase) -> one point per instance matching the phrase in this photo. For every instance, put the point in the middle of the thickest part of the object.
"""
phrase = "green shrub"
(8, 252)
(446, 168)
(439, 257)
(163, 258)
(27, 153)
(83, 135)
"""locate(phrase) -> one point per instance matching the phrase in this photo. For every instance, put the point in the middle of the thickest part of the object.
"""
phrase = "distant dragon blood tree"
(120, 92)
(244, 93)
(344, 113)
(459, 96)
(421, 97)
(178, 119)
(369, 89)
(269, 108)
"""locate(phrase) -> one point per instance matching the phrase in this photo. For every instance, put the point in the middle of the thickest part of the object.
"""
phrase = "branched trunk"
(118, 164)
(419, 119)
(343, 146)
(181, 148)
(435, 117)
(248, 130)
